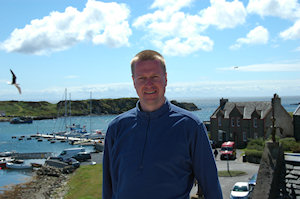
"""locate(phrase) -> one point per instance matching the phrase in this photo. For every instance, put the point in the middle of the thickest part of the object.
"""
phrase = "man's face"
(150, 83)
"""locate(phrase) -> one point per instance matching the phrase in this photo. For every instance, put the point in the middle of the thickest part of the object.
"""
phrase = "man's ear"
(166, 78)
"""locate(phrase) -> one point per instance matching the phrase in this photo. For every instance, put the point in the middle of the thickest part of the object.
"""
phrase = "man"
(155, 150)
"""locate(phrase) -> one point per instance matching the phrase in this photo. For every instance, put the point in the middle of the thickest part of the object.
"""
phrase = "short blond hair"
(148, 55)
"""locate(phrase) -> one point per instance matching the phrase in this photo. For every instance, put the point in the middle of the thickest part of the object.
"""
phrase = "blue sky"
(213, 48)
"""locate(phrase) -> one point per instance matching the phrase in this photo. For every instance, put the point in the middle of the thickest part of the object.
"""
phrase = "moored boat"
(11, 165)
(21, 120)
(4, 160)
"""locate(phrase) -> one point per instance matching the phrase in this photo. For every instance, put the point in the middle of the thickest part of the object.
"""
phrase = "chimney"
(223, 102)
(276, 101)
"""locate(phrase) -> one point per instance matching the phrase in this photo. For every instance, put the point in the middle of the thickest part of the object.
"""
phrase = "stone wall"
(270, 183)
(292, 178)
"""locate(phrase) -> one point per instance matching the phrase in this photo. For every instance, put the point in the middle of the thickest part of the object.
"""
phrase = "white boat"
(11, 165)
(7, 153)
(4, 160)
(95, 134)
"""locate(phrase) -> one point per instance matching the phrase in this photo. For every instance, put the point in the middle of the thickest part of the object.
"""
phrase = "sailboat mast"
(90, 111)
(66, 110)
(70, 108)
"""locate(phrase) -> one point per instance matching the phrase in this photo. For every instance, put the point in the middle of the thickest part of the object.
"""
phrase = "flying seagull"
(13, 82)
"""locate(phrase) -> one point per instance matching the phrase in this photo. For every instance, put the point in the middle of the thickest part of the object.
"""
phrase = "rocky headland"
(45, 110)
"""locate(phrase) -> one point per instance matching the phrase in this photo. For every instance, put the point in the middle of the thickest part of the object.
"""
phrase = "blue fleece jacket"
(157, 155)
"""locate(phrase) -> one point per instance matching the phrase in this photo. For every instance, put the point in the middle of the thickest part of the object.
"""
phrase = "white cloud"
(268, 67)
(292, 32)
(176, 33)
(286, 9)
(185, 46)
(205, 88)
(179, 33)
(258, 35)
(234, 88)
(224, 14)
(99, 22)
(173, 5)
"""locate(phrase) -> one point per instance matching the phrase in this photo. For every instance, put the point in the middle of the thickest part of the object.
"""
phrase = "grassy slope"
(22, 108)
(78, 107)
(86, 183)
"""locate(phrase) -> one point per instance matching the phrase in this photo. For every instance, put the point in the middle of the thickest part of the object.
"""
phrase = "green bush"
(289, 143)
(253, 152)
(256, 144)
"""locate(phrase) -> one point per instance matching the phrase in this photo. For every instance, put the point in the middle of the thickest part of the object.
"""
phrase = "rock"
(42, 185)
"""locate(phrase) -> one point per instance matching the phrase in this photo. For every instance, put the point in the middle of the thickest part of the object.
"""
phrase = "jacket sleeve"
(204, 165)
(107, 182)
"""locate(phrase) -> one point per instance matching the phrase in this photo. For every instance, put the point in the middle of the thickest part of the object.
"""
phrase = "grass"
(231, 173)
(86, 183)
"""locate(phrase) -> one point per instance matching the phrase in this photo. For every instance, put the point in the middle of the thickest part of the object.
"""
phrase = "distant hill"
(43, 109)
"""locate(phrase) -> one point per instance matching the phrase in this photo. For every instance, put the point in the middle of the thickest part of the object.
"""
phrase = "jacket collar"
(154, 114)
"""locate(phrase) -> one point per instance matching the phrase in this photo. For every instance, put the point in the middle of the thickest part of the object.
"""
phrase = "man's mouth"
(150, 92)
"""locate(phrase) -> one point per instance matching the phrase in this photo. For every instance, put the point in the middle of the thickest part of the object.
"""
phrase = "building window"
(232, 121)
(245, 136)
(255, 122)
(219, 121)
(238, 122)
(220, 135)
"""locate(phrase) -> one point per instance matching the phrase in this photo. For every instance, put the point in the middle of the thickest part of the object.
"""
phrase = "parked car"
(83, 156)
(228, 151)
(252, 180)
(240, 190)
(73, 162)
(69, 153)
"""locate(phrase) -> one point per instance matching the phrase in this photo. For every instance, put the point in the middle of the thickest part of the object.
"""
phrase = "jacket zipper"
(145, 142)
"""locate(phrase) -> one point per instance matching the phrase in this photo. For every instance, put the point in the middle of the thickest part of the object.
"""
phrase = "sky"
(216, 48)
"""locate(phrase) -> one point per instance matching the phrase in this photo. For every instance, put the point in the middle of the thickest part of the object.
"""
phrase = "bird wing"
(18, 87)
(13, 77)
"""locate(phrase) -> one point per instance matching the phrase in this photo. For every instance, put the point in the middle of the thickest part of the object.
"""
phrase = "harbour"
(42, 129)
(32, 150)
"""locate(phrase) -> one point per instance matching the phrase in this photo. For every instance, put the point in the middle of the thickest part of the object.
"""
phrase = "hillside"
(43, 109)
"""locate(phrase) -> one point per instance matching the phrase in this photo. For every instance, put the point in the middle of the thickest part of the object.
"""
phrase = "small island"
(45, 110)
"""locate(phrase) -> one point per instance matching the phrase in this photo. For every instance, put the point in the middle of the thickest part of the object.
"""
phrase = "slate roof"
(246, 109)
(297, 111)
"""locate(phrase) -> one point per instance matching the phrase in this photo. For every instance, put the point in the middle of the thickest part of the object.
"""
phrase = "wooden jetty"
(71, 140)
(39, 155)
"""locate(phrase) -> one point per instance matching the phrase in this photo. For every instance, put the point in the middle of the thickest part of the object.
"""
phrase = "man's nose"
(149, 81)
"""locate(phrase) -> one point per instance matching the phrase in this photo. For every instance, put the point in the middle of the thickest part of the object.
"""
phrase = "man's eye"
(155, 78)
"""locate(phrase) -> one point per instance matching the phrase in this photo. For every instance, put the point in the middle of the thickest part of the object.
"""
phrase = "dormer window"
(232, 121)
(238, 122)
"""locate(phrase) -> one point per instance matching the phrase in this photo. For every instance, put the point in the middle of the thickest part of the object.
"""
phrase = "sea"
(11, 177)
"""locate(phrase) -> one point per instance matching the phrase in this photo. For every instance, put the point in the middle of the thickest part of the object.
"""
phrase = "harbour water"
(7, 130)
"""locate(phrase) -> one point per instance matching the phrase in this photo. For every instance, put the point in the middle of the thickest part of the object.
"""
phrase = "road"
(237, 164)
(226, 182)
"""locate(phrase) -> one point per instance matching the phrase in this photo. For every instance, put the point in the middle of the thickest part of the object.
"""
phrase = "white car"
(240, 190)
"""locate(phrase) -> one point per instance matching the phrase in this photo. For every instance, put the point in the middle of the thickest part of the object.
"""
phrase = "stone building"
(296, 121)
(239, 121)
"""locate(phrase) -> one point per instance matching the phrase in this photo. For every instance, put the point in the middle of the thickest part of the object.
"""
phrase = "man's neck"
(149, 108)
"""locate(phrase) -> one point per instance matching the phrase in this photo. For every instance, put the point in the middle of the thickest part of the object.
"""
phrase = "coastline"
(40, 185)
(8, 118)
